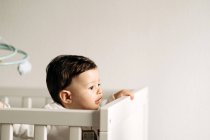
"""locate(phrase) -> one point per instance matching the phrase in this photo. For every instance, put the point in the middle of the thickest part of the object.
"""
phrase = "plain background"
(163, 44)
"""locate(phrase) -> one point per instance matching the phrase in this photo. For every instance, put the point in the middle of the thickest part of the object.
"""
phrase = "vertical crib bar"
(5, 100)
(27, 102)
(40, 132)
(75, 133)
(6, 132)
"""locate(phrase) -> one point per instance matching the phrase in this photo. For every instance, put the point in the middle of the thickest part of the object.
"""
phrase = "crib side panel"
(125, 119)
(74, 119)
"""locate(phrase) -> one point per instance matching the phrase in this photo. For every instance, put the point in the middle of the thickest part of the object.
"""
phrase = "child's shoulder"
(53, 105)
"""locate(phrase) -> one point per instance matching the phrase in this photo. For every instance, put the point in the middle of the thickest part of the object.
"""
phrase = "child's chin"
(93, 108)
(96, 108)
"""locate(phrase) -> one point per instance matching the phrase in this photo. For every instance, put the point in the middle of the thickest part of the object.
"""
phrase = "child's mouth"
(98, 101)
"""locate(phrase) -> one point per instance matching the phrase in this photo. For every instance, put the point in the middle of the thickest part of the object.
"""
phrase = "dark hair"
(62, 69)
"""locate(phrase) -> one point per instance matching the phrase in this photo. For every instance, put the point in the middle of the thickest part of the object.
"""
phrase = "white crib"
(121, 119)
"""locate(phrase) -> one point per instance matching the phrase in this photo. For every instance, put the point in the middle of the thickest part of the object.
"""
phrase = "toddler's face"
(86, 90)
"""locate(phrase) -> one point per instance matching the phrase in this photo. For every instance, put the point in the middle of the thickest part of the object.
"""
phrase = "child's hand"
(122, 93)
(119, 94)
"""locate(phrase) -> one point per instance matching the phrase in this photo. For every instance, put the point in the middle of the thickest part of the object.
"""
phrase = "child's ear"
(65, 96)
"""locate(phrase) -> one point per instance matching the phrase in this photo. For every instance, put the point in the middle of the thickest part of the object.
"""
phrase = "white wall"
(160, 43)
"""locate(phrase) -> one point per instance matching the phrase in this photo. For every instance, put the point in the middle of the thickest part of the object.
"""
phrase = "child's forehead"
(88, 76)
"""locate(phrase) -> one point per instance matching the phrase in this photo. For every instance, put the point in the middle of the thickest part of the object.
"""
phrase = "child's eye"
(99, 85)
(91, 88)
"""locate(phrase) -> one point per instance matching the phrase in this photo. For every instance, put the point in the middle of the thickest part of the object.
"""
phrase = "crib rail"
(56, 117)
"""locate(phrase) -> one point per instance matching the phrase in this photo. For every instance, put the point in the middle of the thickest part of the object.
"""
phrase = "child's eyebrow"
(93, 82)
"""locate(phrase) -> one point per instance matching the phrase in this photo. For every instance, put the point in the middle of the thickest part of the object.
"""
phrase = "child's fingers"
(130, 94)
(124, 93)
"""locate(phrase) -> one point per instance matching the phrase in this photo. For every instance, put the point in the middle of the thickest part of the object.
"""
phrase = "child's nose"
(99, 90)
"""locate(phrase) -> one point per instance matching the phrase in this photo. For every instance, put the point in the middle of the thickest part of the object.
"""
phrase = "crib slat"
(40, 132)
(5, 100)
(6, 132)
(27, 102)
(75, 133)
